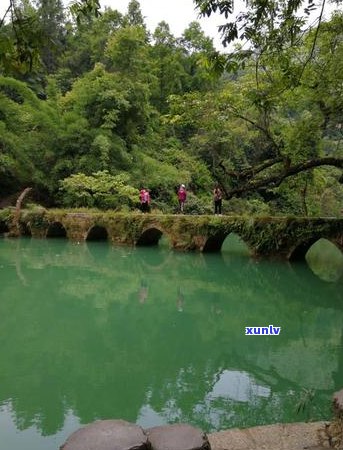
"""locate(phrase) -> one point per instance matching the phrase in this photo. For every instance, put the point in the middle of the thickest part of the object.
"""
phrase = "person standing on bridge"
(144, 197)
(182, 195)
(217, 198)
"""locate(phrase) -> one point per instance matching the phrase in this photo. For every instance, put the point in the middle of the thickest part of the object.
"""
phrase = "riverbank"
(292, 436)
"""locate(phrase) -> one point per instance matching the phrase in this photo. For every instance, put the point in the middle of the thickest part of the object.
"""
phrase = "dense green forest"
(94, 106)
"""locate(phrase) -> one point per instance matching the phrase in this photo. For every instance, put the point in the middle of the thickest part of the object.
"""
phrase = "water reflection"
(238, 386)
(91, 331)
(326, 261)
(180, 300)
(233, 245)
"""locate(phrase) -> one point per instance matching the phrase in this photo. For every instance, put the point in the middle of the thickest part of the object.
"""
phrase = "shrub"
(101, 190)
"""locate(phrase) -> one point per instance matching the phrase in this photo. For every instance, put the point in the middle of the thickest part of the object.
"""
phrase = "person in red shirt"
(182, 195)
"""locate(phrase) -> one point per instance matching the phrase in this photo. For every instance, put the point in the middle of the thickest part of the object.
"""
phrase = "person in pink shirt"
(182, 195)
(144, 197)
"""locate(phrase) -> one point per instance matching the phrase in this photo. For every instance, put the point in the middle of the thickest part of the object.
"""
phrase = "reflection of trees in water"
(78, 338)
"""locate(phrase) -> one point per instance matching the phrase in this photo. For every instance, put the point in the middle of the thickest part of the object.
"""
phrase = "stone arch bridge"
(280, 237)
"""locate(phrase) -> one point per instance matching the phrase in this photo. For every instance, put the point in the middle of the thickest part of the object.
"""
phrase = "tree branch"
(276, 179)
(256, 125)
(4, 17)
(313, 44)
(250, 172)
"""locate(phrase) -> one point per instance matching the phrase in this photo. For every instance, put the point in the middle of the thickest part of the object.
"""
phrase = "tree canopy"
(94, 101)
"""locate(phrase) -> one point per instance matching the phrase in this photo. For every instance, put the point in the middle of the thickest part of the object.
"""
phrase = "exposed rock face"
(333, 432)
(177, 437)
(108, 435)
(338, 402)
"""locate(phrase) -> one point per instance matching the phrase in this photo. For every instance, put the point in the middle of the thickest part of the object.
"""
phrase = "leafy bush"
(5, 215)
(239, 206)
(196, 206)
(101, 190)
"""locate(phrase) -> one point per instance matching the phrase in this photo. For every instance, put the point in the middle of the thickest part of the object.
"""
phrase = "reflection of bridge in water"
(92, 299)
(109, 261)
(284, 237)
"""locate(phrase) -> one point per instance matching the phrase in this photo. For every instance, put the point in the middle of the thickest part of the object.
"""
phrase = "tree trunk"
(15, 224)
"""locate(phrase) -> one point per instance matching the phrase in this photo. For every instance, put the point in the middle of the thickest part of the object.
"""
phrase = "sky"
(177, 13)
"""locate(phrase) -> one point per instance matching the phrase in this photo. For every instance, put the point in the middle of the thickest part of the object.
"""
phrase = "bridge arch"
(56, 230)
(97, 233)
(325, 260)
(298, 253)
(215, 243)
(3, 227)
(25, 229)
(150, 236)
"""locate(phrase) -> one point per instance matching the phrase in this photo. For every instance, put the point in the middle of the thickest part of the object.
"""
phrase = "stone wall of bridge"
(276, 237)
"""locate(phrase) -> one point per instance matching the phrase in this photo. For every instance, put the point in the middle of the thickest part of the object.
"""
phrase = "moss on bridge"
(284, 237)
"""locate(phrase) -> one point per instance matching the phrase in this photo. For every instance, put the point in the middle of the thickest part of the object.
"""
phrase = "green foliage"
(107, 97)
(51, 17)
(197, 206)
(36, 217)
(83, 9)
(29, 129)
(100, 190)
(191, 170)
(134, 14)
(304, 404)
(20, 41)
(269, 27)
(5, 215)
(239, 206)
(127, 52)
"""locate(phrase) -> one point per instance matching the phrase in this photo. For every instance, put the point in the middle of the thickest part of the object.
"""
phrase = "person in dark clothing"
(217, 198)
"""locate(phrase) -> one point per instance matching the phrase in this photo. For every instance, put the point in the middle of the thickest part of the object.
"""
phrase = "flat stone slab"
(177, 437)
(108, 435)
(293, 436)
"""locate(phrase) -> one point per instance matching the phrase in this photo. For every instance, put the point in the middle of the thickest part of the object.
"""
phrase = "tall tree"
(85, 46)
(168, 60)
(134, 16)
(197, 47)
(51, 16)
(127, 52)
(20, 39)
(279, 62)
(29, 137)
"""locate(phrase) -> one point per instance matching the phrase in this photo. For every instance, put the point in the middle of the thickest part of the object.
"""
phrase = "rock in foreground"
(108, 435)
(177, 437)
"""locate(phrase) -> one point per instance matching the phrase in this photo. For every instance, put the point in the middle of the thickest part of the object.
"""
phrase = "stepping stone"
(108, 435)
(177, 437)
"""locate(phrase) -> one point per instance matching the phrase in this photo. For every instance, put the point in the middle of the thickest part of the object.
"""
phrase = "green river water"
(152, 336)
